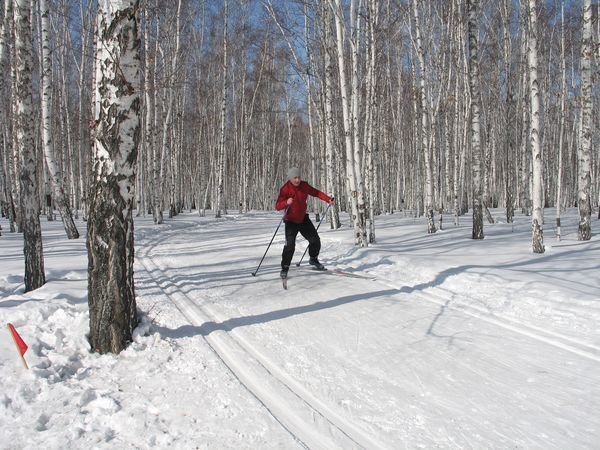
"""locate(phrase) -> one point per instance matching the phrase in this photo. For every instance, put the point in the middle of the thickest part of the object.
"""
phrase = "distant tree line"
(160, 106)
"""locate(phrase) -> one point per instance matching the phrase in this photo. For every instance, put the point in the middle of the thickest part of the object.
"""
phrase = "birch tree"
(506, 11)
(152, 122)
(474, 85)
(32, 232)
(6, 149)
(355, 197)
(55, 177)
(537, 217)
(562, 113)
(425, 119)
(169, 149)
(64, 139)
(329, 118)
(584, 203)
(221, 158)
(111, 293)
(524, 194)
(371, 112)
(355, 40)
(86, 16)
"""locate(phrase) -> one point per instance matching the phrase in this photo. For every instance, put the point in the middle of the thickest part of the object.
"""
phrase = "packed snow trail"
(385, 362)
(454, 343)
(311, 422)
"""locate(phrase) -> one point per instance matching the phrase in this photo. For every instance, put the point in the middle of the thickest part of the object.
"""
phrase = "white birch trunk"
(220, 201)
(355, 112)
(6, 147)
(169, 140)
(84, 120)
(457, 159)
(474, 84)
(561, 130)
(111, 294)
(508, 104)
(157, 166)
(371, 109)
(537, 217)
(352, 176)
(32, 233)
(425, 147)
(67, 176)
(458, 185)
(147, 136)
(329, 125)
(248, 121)
(524, 191)
(55, 177)
(584, 203)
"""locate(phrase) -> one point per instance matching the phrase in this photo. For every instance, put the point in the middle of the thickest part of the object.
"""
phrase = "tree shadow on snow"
(229, 325)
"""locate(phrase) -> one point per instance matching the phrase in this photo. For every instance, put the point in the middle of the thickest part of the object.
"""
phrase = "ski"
(338, 272)
(342, 273)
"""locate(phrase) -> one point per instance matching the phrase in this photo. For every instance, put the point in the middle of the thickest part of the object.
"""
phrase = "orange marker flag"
(19, 342)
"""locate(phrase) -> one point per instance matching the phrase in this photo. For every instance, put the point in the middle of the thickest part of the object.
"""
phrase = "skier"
(293, 195)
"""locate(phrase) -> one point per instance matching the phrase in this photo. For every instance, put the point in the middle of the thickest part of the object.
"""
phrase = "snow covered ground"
(439, 342)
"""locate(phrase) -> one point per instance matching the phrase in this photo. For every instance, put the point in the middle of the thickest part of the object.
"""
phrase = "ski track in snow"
(433, 342)
(558, 340)
(312, 422)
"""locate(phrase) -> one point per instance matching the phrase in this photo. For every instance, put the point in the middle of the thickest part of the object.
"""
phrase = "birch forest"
(427, 106)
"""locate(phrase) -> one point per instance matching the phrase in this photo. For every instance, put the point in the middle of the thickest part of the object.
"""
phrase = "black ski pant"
(308, 231)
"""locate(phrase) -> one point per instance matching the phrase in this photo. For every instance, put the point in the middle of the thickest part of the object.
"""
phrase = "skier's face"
(296, 181)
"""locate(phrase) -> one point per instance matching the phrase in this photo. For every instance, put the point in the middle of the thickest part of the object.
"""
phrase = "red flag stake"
(19, 343)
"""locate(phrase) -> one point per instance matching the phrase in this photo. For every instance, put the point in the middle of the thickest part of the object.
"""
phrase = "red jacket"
(300, 194)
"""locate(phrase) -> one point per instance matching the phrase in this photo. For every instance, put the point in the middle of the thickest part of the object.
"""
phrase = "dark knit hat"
(293, 172)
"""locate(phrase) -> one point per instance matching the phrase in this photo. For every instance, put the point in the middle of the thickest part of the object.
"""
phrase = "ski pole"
(268, 246)
(319, 224)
